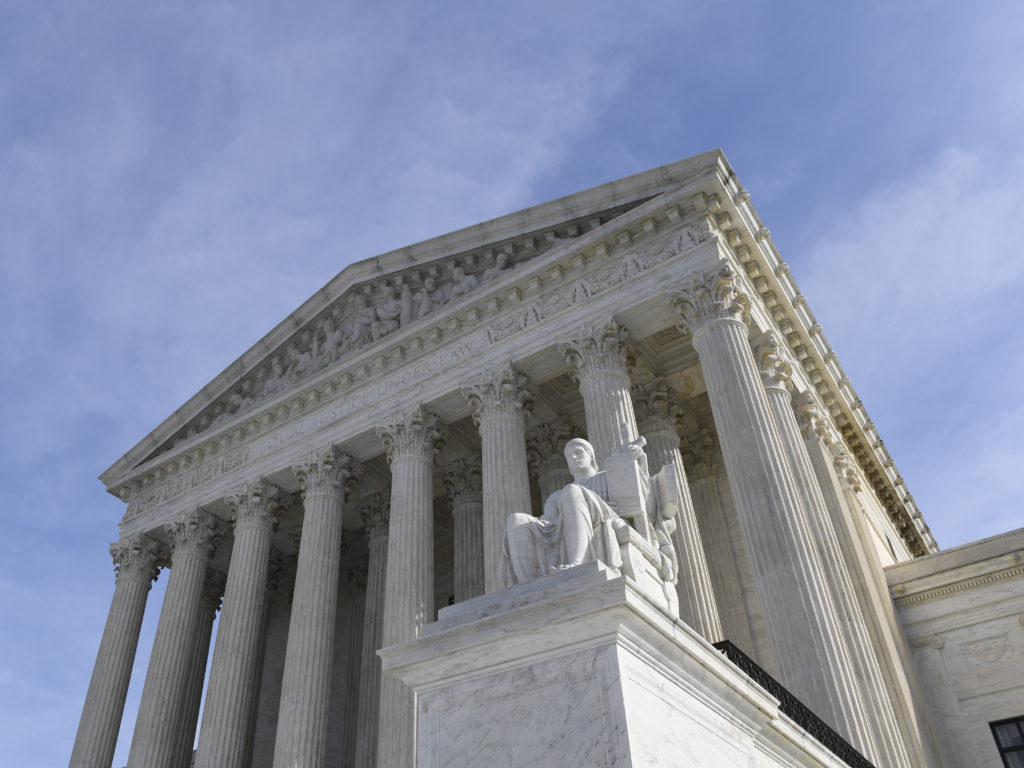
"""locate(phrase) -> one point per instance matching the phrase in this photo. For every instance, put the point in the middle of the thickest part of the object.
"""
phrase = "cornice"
(909, 593)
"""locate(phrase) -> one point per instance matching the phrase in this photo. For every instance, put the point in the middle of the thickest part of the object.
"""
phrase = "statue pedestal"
(581, 669)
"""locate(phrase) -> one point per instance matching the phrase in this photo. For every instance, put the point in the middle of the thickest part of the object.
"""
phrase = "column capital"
(138, 558)
(845, 467)
(603, 347)
(213, 590)
(776, 371)
(810, 418)
(706, 299)
(256, 504)
(463, 481)
(417, 433)
(374, 513)
(546, 445)
(197, 533)
(325, 471)
(699, 454)
(277, 566)
(657, 407)
(501, 391)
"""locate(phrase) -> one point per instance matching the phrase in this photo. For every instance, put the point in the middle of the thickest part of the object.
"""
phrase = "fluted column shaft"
(225, 740)
(799, 619)
(306, 687)
(209, 603)
(600, 359)
(882, 738)
(501, 405)
(889, 681)
(867, 739)
(464, 485)
(375, 517)
(135, 562)
(410, 442)
(696, 597)
(157, 737)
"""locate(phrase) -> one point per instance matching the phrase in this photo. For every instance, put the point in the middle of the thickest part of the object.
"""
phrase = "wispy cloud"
(918, 288)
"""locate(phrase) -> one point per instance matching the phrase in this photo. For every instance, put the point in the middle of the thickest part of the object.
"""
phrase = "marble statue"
(362, 322)
(499, 268)
(428, 298)
(462, 283)
(561, 537)
(389, 313)
(622, 517)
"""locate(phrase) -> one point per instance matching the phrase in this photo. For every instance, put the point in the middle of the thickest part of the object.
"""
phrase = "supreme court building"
(351, 476)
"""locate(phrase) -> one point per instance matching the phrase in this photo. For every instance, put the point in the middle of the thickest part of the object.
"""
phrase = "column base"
(581, 668)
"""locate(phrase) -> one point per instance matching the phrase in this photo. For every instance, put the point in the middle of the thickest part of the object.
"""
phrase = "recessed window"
(1009, 736)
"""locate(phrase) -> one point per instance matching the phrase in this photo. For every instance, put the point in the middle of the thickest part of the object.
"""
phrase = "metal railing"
(795, 709)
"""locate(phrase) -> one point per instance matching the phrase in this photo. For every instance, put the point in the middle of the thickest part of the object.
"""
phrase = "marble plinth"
(580, 668)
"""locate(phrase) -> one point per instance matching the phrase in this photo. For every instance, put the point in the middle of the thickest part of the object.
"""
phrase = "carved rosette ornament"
(545, 446)
(657, 409)
(605, 347)
(503, 392)
(196, 534)
(324, 471)
(709, 299)
(776, 371)
(374, 514)
(417, 433)
(463, 481)
(137, 558)
(256, 504)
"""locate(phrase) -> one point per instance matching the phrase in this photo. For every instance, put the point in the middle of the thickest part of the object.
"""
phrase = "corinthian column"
(463, 483)
(225, 740)
(882, 674)
(209, 604)
(375, 518)
(156, 741)
(600, 357)
(306, 688)
(799, 622)
(501, 405)
(658, 414)
(410, 441)
(546, 452)
(135, 566)
(879, 739)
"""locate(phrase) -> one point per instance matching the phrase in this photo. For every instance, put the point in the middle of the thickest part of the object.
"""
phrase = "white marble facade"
(353, 472)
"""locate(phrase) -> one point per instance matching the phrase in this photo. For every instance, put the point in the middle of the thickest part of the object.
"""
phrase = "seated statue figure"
(561, 537)
(621, 517)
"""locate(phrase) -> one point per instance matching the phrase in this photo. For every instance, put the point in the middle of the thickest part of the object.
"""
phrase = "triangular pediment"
(384, 295)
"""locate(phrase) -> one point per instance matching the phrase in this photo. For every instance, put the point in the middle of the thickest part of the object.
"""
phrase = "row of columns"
(769, 473)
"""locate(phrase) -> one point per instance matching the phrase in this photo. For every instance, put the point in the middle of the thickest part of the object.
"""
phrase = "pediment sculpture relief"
(363, 316)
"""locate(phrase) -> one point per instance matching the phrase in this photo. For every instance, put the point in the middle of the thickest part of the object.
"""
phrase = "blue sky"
(176, 178)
